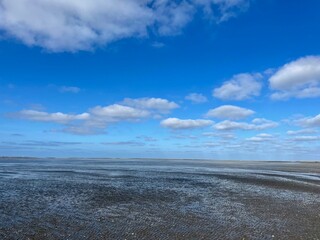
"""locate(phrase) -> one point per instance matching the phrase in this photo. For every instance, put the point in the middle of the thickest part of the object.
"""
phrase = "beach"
(158, 199)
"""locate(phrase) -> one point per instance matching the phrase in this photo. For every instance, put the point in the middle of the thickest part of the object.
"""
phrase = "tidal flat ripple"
(158, 199)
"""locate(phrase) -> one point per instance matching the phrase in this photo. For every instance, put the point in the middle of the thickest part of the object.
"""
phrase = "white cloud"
(257, 139)
(75, 25)
(308, 121)
(302, 131)
(262, 137)
(263, 123)
(96, 119)
(101, 117)
(240, 87)
(306, 138)
(300, 79)
(93, 122)
(175, 123)
(116, 112)
(57, 117)
(157, 104)
(70, 89)
(172, 16)
(256, 124)
(196, 98)
(265, 135)
(230, 112)
(228, 8)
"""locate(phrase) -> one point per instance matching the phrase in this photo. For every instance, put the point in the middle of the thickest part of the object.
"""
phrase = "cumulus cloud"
(96, 119)
(157, 104)
(57, 117)
(308, 122)
(69, 89)
(176, 123)
(116, 112)
(256, 124)
(75, 25)
(196, 98)
(262, 137)
(172, 16)
(299, 79)
(240, 87)
(230, 112)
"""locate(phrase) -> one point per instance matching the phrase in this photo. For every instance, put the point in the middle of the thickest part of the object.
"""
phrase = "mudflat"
(158, 199)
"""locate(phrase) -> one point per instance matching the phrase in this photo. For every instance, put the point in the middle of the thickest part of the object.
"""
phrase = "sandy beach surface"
(158, 199)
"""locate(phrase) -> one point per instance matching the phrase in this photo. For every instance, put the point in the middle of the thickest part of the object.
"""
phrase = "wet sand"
(158, 199)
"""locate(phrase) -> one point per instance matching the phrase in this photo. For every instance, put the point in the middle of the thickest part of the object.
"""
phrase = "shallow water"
(158, 199)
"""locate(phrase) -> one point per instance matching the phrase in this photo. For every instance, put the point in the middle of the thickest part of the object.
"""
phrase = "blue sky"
(216, 79)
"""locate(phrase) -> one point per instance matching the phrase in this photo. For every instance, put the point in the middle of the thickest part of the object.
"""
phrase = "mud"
(158, 199)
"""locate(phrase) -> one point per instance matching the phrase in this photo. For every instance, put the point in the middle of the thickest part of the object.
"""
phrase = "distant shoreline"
(153, 159)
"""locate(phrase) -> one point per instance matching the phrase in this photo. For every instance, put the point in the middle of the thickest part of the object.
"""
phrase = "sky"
(203, 79)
